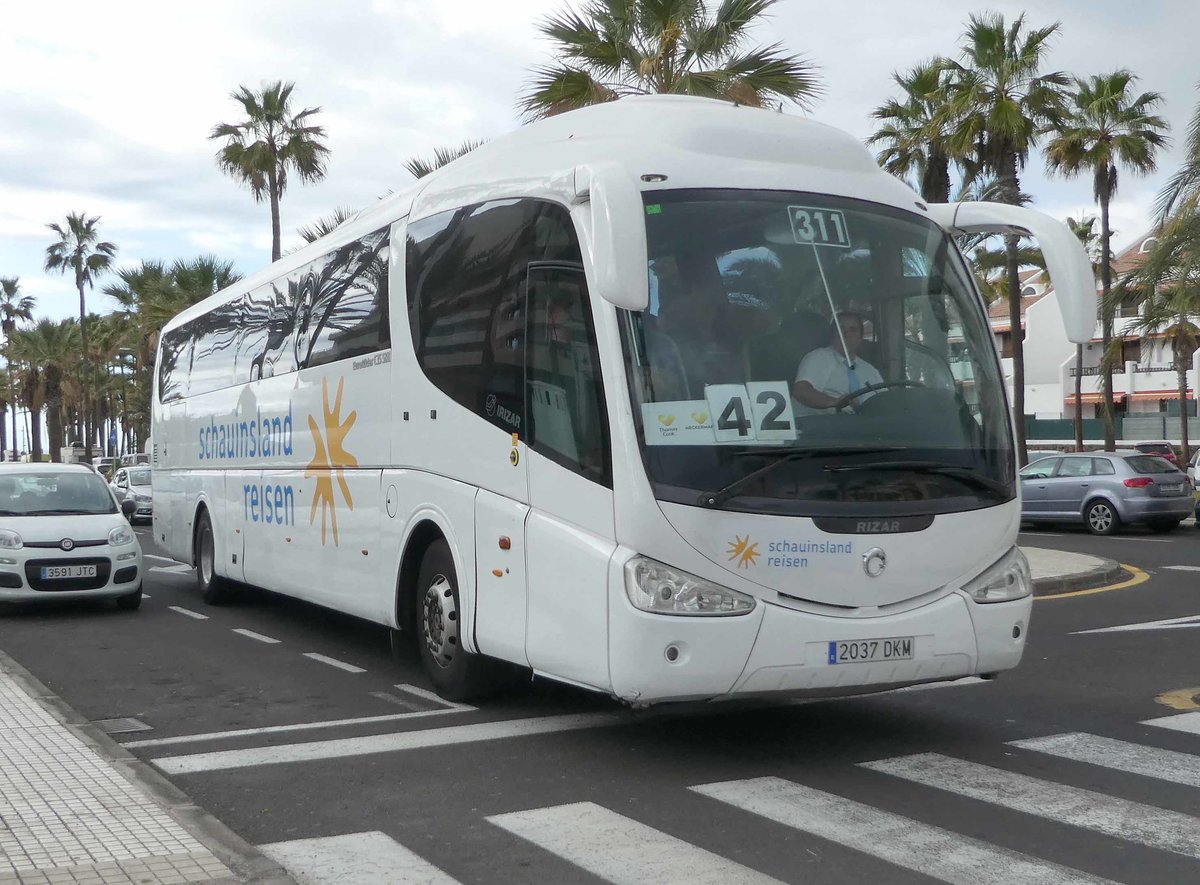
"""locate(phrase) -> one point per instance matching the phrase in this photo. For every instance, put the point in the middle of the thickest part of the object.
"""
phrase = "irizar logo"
(876, 526)
(743, 551)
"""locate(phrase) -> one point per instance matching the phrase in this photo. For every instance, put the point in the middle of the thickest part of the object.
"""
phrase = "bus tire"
(456, 674)
(214, 589)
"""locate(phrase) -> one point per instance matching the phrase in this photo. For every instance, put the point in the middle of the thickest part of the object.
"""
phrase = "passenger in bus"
(828, 373)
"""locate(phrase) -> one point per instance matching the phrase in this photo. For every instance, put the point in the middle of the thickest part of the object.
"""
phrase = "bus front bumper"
(780, 651)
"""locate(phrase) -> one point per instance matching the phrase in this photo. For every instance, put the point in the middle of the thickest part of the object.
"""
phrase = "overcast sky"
(106, 108)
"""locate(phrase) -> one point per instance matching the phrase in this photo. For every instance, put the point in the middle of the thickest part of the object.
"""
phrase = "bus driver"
(828, 373)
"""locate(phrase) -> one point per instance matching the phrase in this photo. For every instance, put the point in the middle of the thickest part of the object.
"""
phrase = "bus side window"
(349, 315)
(565, 396)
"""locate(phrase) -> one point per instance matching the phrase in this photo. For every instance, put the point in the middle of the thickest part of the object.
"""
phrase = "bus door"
(501, 597)
(570, 530)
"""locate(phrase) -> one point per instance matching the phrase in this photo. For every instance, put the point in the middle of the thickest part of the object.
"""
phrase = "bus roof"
(693, 142)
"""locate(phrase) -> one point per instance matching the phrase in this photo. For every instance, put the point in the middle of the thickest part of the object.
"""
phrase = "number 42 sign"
(756, 411)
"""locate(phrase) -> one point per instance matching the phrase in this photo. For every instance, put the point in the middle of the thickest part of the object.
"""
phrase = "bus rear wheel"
(214, 589)
(456, 674)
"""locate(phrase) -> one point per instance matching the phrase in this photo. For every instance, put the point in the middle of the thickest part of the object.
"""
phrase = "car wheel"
(1162, 526)
(130, 601)
(1102, 518)
(214, 589)
(457, 674)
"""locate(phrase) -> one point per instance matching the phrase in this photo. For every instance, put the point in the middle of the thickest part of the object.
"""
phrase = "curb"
(1109, 571)
(248, 863)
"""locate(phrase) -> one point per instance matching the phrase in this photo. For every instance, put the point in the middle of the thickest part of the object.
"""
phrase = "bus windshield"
(749, 395)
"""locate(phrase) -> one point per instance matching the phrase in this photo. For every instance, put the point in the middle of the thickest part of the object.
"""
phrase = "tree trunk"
(1078, 397)
(4, 433)
(273, 183)
(54, 423)
(1011, 189)
(87, 368)
(1106, 312)
(935, 183)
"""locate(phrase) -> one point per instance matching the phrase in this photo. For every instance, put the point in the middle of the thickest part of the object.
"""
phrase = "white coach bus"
(554, 405)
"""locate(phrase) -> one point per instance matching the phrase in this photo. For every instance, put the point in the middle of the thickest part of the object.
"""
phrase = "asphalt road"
(348, 770)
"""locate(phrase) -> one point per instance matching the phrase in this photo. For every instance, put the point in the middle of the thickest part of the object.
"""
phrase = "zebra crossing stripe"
(1165, 765)
(1132, 821)
(355, 857)
(898, 840)
(623, 851)
(1189, 722)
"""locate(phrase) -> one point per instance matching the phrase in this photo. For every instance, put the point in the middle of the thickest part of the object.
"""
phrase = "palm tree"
(914, 128)
(54, 348)
(420, 167)
(326, 224)
(261, 149)
(14, 307)
(998, 103)
(1183, 190)
(1167, 285)
(615, 48)
(80, 250)
(1106, 127)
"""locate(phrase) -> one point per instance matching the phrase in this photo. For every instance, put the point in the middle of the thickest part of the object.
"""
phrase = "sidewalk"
(77, 809)
(1057, 571)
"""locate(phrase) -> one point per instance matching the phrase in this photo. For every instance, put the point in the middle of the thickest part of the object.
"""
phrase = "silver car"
(1105, 489)
(133, 484)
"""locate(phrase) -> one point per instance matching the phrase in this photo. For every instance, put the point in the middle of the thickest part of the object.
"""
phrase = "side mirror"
(128, 508)
(620, 267)
(1070, 270)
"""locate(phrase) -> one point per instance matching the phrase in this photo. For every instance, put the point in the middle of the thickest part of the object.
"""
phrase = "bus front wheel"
(214, 589)
(456, 673)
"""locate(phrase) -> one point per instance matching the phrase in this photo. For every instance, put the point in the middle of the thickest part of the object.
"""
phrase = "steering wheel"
(871, 388)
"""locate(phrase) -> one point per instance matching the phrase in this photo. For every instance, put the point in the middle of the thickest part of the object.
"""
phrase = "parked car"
(1159, 447)
(133, 484)
(62, 535)
(1103, 490)
(1193, 470)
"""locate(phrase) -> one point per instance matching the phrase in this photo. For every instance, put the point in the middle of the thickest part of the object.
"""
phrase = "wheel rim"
(439, 622)
(206, 556)
(1100, 517)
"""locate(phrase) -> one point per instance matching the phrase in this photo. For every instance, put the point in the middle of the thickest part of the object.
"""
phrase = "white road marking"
(341, 748)
(1182, 568)
(1132, 821)
(250, 633)
(1189, 722)
(1106, 537)
(621, 850)
(430, 696)
(177, 569)
(275, 729)
(355, 857)
(188, 612)
(161, 558)
(956, 683)
(1165, 765)
(1165, 624)
(938, 853)
(334, 662)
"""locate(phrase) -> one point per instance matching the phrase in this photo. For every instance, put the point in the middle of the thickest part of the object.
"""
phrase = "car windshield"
(139, 477)
(45, 494)
(1150, 464)
(747, 394)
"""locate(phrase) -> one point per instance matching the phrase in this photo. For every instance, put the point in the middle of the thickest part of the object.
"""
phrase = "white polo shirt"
(825, 369)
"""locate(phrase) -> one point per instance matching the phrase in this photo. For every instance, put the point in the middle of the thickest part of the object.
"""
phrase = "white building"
(1144, 380)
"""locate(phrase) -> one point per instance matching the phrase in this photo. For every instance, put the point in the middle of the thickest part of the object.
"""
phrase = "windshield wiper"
(783, 455)
(963, 474)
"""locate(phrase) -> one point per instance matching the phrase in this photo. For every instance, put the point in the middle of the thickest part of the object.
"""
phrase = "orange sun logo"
(329, 462)
(743, 551)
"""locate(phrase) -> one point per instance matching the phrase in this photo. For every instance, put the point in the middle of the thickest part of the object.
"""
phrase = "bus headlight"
(1007, 580)
(654, 587)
